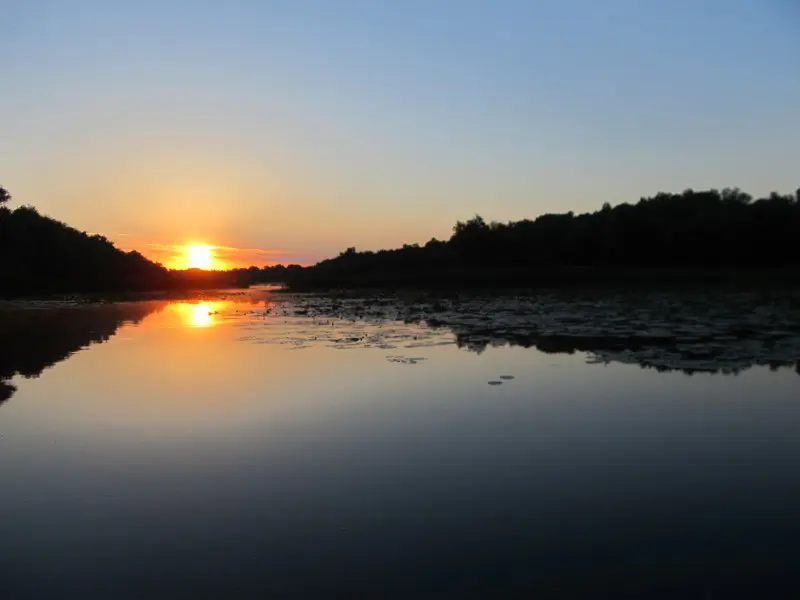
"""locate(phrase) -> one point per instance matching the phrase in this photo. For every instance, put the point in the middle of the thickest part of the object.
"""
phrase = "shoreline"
(551, 279)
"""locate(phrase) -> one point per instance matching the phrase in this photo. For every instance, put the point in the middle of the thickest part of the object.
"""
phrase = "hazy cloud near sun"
(173, 255)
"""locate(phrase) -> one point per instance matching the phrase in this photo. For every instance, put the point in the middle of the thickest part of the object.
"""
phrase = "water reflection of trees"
(660, 354)
(6, 391)
(33, 339)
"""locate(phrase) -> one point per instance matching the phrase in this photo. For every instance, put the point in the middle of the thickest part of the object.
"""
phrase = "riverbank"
(512, 278)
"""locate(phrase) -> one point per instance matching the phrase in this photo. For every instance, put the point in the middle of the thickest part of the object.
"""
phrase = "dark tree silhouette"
(42, 255)
(5, 197)
(705, 234)
(695, 235)
(272, 274)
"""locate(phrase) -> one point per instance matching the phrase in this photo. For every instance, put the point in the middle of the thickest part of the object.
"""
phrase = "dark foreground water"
(311, 448)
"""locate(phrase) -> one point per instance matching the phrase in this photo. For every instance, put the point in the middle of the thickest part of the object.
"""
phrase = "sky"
(287, 131)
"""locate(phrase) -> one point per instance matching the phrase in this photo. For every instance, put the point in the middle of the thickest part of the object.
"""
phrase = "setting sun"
(198, 257)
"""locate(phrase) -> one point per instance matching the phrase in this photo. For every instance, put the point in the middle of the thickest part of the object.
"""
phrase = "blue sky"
(309, 126)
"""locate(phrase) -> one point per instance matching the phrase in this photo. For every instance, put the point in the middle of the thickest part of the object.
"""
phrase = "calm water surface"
(234, 449)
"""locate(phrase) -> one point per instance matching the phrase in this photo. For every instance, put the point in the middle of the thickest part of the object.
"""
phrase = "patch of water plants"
(695, 331)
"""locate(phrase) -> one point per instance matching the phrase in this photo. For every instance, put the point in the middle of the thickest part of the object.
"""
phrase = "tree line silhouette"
(40, 255)
(695, 235)
(277, 274)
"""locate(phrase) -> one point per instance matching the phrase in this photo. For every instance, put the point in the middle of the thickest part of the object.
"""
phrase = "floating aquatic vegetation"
(690, 330)
(405, 360)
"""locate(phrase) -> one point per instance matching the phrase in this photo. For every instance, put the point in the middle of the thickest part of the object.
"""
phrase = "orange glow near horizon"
(198, 253)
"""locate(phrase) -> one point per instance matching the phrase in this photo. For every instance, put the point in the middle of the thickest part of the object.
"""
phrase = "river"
(258, 445)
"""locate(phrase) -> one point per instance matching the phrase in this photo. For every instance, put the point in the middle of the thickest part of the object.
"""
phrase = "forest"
(695, 236)
(40, 255)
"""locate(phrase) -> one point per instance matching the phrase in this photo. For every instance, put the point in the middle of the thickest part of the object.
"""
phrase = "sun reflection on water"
(201, 314)
(197, 313)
